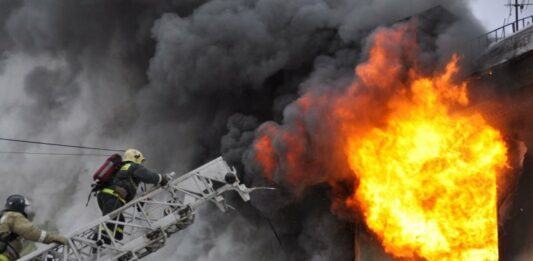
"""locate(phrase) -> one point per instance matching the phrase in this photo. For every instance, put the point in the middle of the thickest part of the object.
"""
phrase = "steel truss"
(150, 219)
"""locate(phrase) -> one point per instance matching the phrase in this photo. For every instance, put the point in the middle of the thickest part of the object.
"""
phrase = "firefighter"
(15, 226)
(123, 188)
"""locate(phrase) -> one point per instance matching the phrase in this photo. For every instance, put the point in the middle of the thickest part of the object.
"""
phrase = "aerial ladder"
(150, 219)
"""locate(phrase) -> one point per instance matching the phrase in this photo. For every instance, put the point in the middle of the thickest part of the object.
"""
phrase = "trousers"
(109, 203)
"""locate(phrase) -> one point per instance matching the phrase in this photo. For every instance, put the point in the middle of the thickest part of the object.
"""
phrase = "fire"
(425, 170)
(427, 176)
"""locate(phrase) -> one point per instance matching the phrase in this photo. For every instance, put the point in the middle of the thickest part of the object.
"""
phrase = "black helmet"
(16, 203)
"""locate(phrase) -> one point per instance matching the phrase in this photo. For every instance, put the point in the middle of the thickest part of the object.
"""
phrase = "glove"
(59, 239)
(164, 180)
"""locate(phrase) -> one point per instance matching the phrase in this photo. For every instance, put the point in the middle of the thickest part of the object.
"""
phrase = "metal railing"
(503, 32)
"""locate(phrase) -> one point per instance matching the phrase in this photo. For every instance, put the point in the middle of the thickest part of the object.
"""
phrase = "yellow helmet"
(133, 155)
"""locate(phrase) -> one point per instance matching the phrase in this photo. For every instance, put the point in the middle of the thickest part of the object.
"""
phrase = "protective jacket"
(130, 175)
(14, 227)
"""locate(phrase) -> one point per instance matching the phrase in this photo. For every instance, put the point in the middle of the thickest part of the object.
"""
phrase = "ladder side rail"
(104, 219)
(214, 170)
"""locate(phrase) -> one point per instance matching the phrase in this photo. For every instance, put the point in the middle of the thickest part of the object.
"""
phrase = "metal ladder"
(150, 219)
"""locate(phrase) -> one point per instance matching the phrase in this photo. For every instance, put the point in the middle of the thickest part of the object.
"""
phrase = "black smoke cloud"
(185, 81)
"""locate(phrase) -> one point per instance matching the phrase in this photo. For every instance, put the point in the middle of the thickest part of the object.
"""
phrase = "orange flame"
(426, 174)
(266, 157)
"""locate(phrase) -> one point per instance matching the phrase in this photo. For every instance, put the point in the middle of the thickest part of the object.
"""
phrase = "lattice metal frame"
(149, 219)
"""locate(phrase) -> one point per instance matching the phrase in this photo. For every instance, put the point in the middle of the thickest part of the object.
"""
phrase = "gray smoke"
(184, 81)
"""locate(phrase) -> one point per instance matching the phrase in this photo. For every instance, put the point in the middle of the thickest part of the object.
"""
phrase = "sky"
(493, 13)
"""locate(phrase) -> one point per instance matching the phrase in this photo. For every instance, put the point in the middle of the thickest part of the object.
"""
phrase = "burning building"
(384, 137)
(432, 168)
(504, 68)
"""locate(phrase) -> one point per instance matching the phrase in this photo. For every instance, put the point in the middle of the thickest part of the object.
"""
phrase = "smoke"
(186, 81)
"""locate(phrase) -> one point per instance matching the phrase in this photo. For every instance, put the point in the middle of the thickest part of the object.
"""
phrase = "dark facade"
(506, 75)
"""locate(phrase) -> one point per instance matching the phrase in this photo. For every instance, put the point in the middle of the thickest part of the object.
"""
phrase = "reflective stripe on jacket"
(114, 193)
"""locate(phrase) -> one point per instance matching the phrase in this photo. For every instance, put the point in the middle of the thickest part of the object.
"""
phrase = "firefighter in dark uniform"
(123, 188)
(15, 226)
